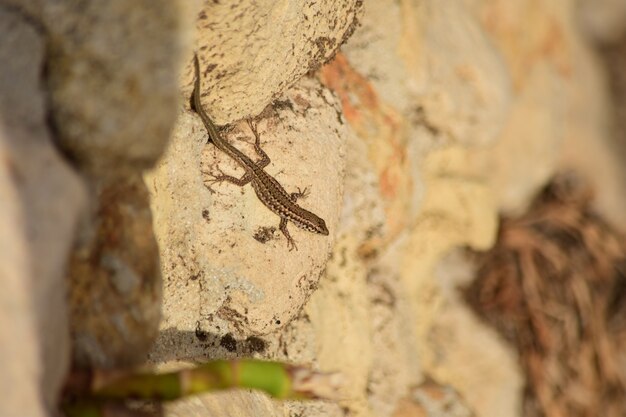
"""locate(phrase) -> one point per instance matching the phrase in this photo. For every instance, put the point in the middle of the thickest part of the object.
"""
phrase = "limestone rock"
(115, 278)
(251, 52)
(603, 20)
(40, 203)
(434, 117)
(225, 262)
(112, 74)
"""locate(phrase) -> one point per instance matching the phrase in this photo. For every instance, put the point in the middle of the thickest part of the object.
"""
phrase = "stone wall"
(412, 123)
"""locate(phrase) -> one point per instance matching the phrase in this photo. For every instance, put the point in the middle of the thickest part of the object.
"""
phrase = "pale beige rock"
(221, 266)
(339, 317)
(457, 208)
(49, 196)
(20, 353)
(422, 85)
(392, 335)
(363, 320)
(178, 199)
(603, 20)
(230, 403)
(251, 52)
(433, 399)
(590, 148)
(437, 67)
(217, 278)
(527, 152)
(358, 314)
(461, 88)
(473, 359)
(366, 319)
(112, 73)
(334, 331)
(457, 211)
(464, 353)
(114, 278)
(558, 118)
(534, 134)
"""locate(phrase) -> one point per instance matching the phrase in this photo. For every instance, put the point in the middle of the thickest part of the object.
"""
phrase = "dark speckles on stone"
(264, 234)
(255, 344)
(201, 335)
(283, 104)
(228, 342)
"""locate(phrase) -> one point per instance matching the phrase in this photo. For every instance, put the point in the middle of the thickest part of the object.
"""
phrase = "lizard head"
(318, 225)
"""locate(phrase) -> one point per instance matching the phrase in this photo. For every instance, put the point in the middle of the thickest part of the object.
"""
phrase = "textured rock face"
(92, 99)
(251, 52)
(112, 73)
(257, 285)
(430, 120)
(456, 111)
(552, 71)
(114, 278)
(403, 206)
(604, 20)
(40, 199)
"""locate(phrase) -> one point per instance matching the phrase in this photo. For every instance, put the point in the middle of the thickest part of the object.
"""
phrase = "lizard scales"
(268, 190)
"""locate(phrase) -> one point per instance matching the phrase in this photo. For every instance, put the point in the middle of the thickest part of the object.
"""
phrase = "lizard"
(267, 188)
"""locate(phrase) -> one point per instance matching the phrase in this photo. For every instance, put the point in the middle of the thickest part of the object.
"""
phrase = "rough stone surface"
(20, 349)
(456, 111)
(540, 67)
(591, 147)
(559, 117)
(115, 278)
(434, 118)
(251, 52)
(463, 353)
(433, 399)
(451, 82)
(461, 91)
(48, 195)
(112, 71)
(223, 256)
(613, 57)
(603, 20)
(20, 352)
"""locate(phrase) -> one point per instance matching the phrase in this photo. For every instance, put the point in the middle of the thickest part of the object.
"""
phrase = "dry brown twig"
(555, 287)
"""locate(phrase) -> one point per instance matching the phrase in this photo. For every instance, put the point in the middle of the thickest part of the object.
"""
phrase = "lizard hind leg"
(291, 244)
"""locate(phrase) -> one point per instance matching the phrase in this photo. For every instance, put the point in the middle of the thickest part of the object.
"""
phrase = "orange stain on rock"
(382, 128)
(355, 92)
